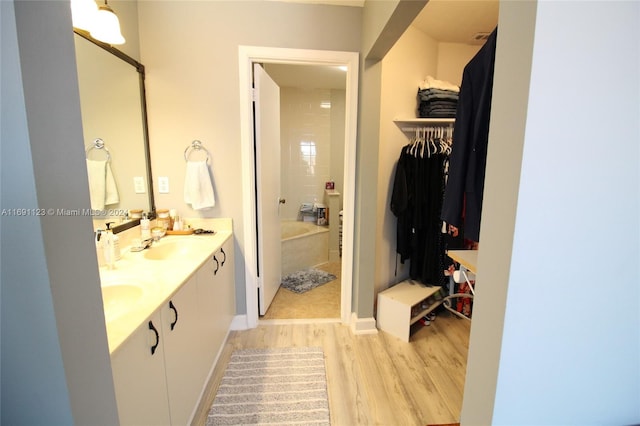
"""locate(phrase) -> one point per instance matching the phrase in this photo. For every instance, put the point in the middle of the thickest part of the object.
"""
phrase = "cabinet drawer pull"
(217, 265)
(173, 307)
(154, 347)
(225, 256)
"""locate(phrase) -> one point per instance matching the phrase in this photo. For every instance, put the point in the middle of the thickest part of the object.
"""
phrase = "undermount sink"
(119, 299)
(176, 249)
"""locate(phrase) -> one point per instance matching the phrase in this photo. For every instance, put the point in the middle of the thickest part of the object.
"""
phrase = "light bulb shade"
(106, 27)
(83, 12)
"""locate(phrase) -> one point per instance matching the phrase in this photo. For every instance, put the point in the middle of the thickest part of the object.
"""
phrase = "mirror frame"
(145, 127)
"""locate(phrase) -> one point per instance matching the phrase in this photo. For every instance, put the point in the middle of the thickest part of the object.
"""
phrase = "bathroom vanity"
(168, 310)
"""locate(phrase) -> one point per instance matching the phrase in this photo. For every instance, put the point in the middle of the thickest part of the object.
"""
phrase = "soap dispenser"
(145, 227)
(116, 243)
(108, 249)
(99, 251)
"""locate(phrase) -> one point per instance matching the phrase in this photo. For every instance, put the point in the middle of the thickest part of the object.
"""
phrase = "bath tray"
(183, 232)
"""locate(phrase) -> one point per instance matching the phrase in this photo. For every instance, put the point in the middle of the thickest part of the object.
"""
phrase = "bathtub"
(304, 245)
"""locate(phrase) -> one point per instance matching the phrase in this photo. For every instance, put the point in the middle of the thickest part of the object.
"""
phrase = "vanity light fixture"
(106, 26)
(83, 13)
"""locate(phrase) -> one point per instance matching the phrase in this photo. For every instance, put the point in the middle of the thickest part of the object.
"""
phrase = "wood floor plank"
(348, 402)
(413, 372)
(371, 379)
(390, 401)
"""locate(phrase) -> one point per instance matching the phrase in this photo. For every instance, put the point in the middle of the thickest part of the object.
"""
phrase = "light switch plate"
(163, 184)
(138, 185)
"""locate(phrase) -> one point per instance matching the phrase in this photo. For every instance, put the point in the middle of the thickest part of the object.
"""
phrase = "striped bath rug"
(272, 386)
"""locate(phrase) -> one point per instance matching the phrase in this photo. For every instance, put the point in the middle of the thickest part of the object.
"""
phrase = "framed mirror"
(116, 140)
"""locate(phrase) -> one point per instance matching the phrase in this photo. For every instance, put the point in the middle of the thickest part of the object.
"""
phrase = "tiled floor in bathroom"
(321, 302)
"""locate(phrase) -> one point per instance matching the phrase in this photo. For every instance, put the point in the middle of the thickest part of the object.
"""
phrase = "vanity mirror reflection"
(113, 106)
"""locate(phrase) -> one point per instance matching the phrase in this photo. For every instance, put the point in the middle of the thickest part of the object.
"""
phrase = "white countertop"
(158, 280)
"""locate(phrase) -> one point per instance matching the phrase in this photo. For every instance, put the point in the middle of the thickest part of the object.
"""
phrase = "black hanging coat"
(416, 201)
(465, 184)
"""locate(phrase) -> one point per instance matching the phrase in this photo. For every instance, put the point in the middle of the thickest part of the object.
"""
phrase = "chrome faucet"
(144, 244)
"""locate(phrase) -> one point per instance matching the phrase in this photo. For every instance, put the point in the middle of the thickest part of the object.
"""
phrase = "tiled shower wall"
(310, 155)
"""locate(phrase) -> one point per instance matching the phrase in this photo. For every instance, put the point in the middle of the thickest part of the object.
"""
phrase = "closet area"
(424, 297)
(437, 90)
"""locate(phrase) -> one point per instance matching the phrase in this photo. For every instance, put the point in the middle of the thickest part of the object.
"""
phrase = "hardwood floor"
(373, 379)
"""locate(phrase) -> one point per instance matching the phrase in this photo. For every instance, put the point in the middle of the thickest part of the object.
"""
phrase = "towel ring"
(196, 146)
(99, 144)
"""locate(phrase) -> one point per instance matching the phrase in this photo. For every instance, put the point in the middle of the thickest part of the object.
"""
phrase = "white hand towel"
(111, 190)
(102, 185)
(198, 189)
(97, 171)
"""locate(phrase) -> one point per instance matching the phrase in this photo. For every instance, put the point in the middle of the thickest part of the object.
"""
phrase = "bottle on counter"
(177, 223)
(135, 213)
(99, 251)
(145, 227)
(108, 249)
(116, 246)
(163, 219)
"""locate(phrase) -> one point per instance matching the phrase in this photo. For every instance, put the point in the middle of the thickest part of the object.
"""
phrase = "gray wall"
(565, 351)
(555, 337)
(55, 362)
(382, 26)
(190, 52)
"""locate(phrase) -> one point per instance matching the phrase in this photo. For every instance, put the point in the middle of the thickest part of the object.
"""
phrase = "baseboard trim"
(299, 321)
(363, 325)
(239, 322)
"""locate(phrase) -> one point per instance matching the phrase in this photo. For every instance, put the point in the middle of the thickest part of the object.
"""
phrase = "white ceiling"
(457, 21)
(451, 21)
(307, 76)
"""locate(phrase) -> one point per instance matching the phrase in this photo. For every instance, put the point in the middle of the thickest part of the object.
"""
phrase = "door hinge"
(260, 285)
(253, 94)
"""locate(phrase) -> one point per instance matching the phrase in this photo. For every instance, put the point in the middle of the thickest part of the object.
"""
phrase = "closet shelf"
(405, 121)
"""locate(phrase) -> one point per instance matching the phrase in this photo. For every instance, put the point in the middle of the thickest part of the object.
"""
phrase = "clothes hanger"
(415, 142)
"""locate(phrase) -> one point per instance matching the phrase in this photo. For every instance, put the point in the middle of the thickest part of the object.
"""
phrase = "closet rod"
(413, 129)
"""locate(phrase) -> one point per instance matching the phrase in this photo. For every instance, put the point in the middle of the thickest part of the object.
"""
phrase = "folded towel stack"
(198, 189)
(437, 99)
(102, 185)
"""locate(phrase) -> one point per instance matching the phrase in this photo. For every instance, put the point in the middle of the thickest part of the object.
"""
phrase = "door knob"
(281, 200)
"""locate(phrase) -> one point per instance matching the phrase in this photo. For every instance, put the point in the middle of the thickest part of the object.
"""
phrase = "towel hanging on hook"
(98, 144)
(196, 145)
(198, 186)
(103, 189)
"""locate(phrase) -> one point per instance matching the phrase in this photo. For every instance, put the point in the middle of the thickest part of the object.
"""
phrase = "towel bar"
(197, 146)
(99, 144)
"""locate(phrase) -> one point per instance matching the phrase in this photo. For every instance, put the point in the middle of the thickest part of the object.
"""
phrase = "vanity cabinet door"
(207, 307)
(228, 287)
(139, 379)
(227, 277)
(216, 289)
(184, 362)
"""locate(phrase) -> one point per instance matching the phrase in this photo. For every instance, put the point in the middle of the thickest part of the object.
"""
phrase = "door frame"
(247, 55)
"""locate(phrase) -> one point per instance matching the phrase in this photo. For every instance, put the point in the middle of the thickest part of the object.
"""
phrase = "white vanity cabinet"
(189, 331)
(216, 298)
(185, 364)
(139, 377)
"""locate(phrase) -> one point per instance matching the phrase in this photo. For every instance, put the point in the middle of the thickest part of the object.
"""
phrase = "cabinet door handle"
(172, 306)
(154, 347)
(217, 265)
(225, 256)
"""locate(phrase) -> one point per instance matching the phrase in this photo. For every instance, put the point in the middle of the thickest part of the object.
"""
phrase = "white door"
(267, 140)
